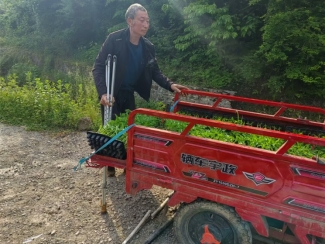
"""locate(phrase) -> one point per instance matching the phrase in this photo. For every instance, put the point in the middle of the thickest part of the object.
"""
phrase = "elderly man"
(136, 65)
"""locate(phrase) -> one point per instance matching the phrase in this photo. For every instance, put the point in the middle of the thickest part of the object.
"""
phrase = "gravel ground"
(44, 201)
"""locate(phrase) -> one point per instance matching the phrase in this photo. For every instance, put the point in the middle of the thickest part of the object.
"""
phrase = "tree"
(217, 37)
(293, 48)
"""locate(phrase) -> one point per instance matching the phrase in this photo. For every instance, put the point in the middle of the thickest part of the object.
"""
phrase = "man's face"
(140, 24)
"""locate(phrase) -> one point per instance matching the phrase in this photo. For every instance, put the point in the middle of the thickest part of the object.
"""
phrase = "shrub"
(44, 104)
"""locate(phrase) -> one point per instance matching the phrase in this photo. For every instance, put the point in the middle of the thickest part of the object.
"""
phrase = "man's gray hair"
(133, 9)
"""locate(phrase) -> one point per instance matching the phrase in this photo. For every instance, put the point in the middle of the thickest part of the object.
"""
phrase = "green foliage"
(293, 47)
(115, 126)
(215, 37)
(140, 103)
(24, 72)
(262, 48)
(89, 52)
(121, 122)
(175, 125)
(44, 104)
(206, 21)
(215, 133)
(52, 27)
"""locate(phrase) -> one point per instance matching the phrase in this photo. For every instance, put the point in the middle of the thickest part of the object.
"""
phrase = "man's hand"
(179, 88)
(105, 102)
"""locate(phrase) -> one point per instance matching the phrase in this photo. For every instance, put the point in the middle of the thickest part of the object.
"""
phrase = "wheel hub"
(207, 237)
(209, 228)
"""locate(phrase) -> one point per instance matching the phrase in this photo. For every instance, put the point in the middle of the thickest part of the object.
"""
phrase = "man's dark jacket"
(116, 44)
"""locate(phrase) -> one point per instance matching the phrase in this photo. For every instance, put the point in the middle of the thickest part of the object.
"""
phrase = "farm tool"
(227, 191)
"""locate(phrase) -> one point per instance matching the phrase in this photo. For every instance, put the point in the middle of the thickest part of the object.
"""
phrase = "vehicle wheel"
(207, 222)
(320, 240)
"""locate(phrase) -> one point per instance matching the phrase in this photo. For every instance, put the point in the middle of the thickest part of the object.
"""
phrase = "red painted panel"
(228, 166)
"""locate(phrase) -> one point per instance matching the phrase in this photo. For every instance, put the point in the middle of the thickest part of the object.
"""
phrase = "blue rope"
(83, 160)
(173, 107)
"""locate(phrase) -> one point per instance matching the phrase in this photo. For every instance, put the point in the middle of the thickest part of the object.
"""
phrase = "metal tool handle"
(113, 84)
(107, 78)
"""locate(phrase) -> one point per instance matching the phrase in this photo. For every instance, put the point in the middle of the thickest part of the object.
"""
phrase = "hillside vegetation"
(272, 49)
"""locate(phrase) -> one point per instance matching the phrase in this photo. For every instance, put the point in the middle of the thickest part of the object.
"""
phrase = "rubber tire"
(320, 240)
(186, 212)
